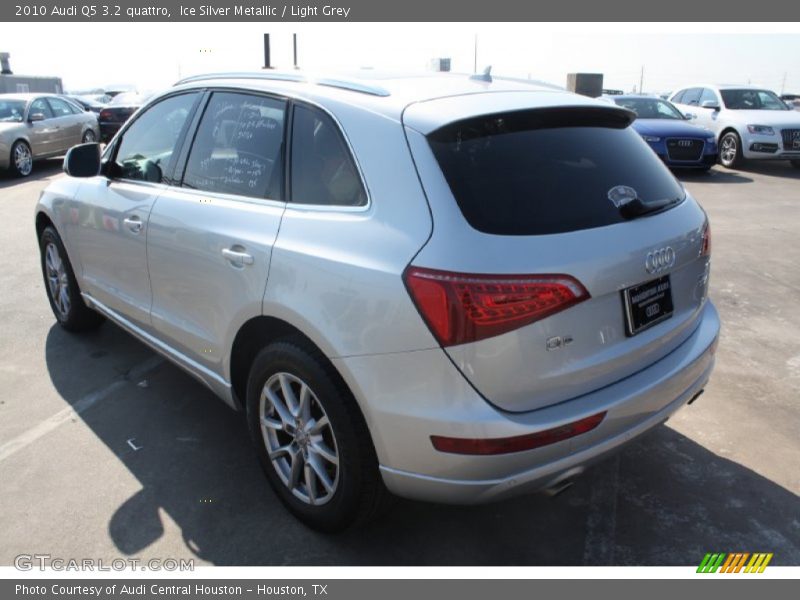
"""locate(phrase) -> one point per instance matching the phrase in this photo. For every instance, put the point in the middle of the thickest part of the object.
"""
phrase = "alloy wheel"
(23, 160)
(89, 137)
(57, 279)
(299, 439)
(728, 150)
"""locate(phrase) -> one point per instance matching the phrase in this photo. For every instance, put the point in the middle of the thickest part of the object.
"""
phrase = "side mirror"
(713, 104)
(83, 160)
(34, 117)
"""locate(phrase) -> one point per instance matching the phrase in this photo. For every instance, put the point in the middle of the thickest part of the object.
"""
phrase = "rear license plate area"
(647, 304)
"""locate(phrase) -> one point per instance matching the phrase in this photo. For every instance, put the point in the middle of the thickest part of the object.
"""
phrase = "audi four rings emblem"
(659, 260)
(685, 143)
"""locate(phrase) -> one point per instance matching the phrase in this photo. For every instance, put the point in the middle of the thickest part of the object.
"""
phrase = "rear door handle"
(237, 257)
(133, 223)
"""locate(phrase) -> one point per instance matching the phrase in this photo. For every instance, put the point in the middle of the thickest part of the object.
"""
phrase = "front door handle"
(237, 257)
(133, 223)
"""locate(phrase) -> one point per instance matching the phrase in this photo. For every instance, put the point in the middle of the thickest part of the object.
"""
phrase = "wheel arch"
(252, 337)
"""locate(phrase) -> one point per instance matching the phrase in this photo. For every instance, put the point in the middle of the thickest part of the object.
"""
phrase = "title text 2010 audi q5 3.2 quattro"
(445, 287)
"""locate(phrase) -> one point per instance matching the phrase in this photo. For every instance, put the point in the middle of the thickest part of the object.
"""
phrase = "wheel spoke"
(320, 472)
(311, 489)
(320, 448)
(283, 412)
(304, 406)
(288, 394)
(272, 423)
(318, 426)
(281, 451)
(296, 470)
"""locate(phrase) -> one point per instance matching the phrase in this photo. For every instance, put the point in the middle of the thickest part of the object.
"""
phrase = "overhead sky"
(151, 56)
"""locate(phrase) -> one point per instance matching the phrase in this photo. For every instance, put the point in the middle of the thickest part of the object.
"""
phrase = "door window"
(238, 148)
(146, 148)
(40, 106)
(59, 107)
(708, 96)
(323, 171)
(691, 96)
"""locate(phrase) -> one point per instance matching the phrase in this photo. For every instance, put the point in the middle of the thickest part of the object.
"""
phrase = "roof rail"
(351, 85)
(243, 75)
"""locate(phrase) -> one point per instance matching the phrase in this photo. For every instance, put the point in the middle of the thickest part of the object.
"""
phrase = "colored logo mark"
(735, 562)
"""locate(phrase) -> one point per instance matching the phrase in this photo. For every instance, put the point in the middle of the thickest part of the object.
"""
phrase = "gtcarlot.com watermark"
(29, 562)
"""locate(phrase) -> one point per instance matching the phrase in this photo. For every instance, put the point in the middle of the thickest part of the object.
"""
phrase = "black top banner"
(402, 10)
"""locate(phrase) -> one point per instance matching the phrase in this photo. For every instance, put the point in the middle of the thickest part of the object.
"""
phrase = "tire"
(61, 287)
(323, 466)
(795, 163)
(21, 159)
(730, 150)
(89, 137)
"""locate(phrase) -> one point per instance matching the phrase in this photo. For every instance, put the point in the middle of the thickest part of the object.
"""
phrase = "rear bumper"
(420, 395)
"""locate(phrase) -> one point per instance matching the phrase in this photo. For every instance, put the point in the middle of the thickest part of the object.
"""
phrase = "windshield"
(11, 111)
(126, 99)
(752, 100)
(650, 108)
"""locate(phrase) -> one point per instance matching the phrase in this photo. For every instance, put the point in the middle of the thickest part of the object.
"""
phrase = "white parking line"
(34, 433)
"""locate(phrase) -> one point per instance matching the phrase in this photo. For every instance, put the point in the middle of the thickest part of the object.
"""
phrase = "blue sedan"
(666, 130)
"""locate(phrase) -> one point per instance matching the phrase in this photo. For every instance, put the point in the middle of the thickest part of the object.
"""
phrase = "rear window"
(548, 171)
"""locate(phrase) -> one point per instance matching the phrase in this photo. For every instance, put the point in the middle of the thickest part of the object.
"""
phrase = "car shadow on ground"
(665, 500)
(42, 169)
(715, 175)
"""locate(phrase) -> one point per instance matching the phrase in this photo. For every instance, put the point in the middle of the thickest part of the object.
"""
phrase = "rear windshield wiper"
(637, 208)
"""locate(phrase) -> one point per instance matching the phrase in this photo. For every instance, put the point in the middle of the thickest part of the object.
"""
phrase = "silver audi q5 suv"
(443, 287)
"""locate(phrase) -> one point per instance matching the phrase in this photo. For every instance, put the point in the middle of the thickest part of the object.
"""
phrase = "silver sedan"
(34, 126)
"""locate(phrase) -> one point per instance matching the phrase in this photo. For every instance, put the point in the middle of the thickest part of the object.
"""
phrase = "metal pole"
(294, 42)
(641, 81)
(267, 64)
(475, 59)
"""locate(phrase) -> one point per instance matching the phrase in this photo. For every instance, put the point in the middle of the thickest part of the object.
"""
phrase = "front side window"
(147, 146)
(323, 171)
(238, 147)
(11, 111)
(752, 100)
(40, 106)
(692, 96)
(708, 96)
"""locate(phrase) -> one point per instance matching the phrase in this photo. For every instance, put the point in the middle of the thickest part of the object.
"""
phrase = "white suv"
(750, 122)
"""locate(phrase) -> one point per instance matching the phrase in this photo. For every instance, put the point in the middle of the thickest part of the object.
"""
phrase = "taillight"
(519, 443)
(706, 250)
(105, 115)
(461, 308)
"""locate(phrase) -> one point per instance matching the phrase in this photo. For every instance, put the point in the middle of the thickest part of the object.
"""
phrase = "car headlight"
(761, 129)
(651, 138)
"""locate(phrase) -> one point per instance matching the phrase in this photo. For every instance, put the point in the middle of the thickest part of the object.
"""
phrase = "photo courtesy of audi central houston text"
(537, 268)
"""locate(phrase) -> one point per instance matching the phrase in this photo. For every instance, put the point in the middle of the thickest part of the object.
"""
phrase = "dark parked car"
(86, 103)
(669, 133)
(119, 110)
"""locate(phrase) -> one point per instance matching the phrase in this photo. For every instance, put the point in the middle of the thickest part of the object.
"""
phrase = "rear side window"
(238, 147)
(59, 107)
(323, 172)
(547, 171)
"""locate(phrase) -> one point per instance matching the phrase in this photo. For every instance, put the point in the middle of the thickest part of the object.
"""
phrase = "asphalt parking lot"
(107, 451)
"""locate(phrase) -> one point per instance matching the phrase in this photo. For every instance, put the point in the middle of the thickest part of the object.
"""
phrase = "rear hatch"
(565, 256)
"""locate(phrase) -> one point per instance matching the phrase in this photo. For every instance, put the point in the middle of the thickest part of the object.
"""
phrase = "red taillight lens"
(461, 308)
(105, 115)
(706, 251)
(518, 443)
